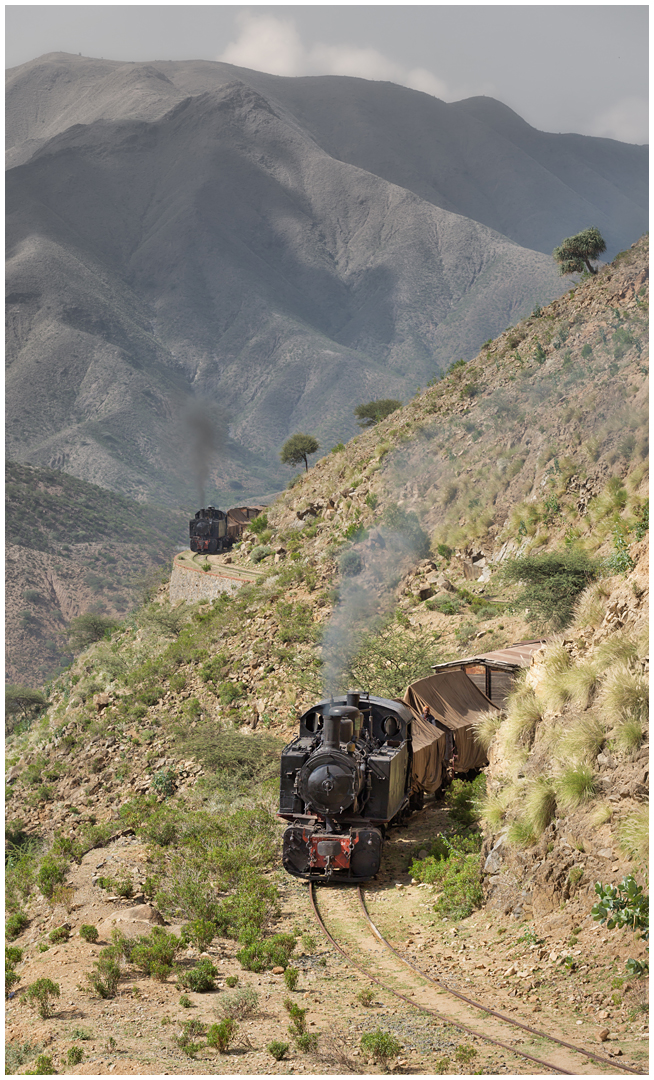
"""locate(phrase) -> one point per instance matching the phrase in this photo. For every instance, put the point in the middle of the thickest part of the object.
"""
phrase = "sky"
(581, 68)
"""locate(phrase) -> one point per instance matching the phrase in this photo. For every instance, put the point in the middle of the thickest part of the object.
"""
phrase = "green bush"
(89, 933)
(307, 1042)
(200, 933)
(231, 981)
(373, 412)
(15, 925)
(154, 953)
(291, 976)
(43, 1067)
(380, 1045)
(219, 1036)
(163, 782)
(59, 935)
(263, 954)
(554, 581)
(278, 1049)
(453, 865)
(298, 1017)
(74, 1056)
(51, 873)
(40, 994)
(106, 976)
(201, 978)
(350, 564)
(406, 527)
(83, 630)
(365, 997)
(258, 524)
(624, 906)
(185, 1002)
(260, 552)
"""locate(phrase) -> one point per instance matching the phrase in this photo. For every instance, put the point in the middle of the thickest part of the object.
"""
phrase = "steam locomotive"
(362, 763)
(214, 530)
(344, 779)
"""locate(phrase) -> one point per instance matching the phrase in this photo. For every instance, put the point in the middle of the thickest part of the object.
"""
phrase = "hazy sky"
(562, 67)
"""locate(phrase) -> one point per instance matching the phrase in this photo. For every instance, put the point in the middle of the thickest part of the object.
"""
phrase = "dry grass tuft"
(575, 785)
(628, 735)
(633, 834)
(625, 695)
(602, 814)
(540, 804)
(486, 729)
(619, 647)
(524, 711)
(591, 607)
(583, 741)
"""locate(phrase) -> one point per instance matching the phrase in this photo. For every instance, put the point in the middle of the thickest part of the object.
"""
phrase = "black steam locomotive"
(343, 780)
(214, 530)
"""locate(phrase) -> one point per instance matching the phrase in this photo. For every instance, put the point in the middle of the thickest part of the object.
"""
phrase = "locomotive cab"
(342, 781)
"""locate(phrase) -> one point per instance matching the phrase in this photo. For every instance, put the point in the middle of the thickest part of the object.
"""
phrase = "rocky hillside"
(72, 547)
(383, 558)
(193, 236)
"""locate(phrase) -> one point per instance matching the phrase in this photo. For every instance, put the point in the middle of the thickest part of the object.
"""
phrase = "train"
(213, 530)
(361, 763)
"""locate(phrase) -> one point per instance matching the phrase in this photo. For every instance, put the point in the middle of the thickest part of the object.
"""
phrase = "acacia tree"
(374, 411)
(574, 254)
(297, 449)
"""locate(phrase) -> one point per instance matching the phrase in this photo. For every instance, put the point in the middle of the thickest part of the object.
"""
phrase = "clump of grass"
(493, 809)
(626, 695)
(365, 997)
(618, 647)
(602, 815)
(238, 1005)
(524, 712)
(521, 832)
(486, 729)
(628, 735)
(584, 740)
(540, 804)
(576, 785)
(581, 683)
(590, 608)
(633, 833)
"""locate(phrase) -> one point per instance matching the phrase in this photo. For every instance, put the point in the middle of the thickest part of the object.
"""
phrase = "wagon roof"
(509, 659)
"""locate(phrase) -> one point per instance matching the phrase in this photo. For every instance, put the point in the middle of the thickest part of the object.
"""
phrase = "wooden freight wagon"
(494, 672)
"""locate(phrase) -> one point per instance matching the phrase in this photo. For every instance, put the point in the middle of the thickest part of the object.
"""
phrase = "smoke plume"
(205, 427)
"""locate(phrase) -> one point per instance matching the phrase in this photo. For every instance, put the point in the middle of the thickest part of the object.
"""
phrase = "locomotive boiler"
(344, 779)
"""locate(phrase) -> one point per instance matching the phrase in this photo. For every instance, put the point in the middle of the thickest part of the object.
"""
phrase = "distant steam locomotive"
(213, 530)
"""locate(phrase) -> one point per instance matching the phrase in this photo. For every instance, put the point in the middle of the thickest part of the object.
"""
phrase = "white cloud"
(627, 120)
(267, 43)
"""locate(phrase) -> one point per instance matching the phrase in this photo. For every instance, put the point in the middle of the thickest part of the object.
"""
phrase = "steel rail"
(424, 1008)
(485, 1008)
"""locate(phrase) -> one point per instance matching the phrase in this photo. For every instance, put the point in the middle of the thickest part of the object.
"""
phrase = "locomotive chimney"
(352, 698)
(331, 732)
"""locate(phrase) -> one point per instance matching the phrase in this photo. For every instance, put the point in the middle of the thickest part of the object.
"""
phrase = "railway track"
(565, 1064)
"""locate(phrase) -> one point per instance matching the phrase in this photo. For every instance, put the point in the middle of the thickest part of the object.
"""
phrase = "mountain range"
(203, 260)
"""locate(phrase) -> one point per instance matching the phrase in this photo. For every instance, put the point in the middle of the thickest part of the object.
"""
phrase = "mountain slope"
(219, 254)
(475, 157)
(71, 547)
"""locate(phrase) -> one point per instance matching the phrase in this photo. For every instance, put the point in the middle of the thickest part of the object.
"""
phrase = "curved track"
(550, 1066)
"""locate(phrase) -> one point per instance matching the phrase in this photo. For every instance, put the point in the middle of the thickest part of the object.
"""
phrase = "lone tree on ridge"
(297, 449)
(575, 253)
(371, 414)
